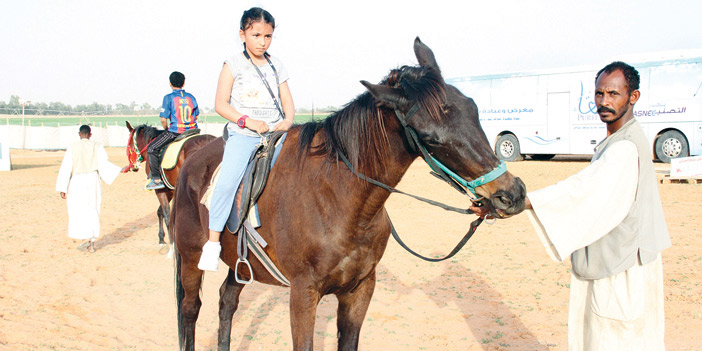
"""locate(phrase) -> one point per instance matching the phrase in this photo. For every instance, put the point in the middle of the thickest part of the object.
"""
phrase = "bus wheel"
(507, 148)
(670, 145)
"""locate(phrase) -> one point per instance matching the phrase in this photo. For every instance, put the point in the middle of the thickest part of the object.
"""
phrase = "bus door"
(558, 107)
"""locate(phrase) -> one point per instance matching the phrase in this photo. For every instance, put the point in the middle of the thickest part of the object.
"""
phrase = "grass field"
(101, 121)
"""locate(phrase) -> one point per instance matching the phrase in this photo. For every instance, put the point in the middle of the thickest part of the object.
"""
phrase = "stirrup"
(153, 185)
(236, 271)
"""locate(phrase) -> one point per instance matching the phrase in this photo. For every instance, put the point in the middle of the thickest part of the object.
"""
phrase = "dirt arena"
(501, 292)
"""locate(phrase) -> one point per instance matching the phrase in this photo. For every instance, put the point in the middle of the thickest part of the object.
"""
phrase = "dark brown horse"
(326, 228)
(139, 139)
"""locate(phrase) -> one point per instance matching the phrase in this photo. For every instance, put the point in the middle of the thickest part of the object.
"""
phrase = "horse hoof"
(163, 248)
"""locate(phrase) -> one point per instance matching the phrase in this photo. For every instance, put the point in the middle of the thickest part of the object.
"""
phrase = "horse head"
(447, 129)
(136, 149)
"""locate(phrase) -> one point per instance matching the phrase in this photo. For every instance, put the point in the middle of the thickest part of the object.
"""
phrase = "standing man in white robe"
(84, 164)
(609, 219)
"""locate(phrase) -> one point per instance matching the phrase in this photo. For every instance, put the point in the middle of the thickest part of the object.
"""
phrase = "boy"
(179, 113)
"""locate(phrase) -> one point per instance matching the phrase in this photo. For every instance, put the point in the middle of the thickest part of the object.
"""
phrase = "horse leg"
(228, 304)
(161, 233)
(189, 304)
(165, 217)
(352, 310)
(303, 310)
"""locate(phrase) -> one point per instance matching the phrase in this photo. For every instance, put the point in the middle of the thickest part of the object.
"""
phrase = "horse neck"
(395, 163)
(146, 136)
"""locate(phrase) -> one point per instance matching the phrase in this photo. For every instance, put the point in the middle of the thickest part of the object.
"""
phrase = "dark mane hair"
(358, 130)
(149, 132)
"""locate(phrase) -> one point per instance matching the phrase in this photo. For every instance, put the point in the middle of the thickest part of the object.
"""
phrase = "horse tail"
(178, 281)
(180, 294)
(181, 196)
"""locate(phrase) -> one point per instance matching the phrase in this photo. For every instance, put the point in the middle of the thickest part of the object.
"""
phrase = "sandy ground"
(501, 292)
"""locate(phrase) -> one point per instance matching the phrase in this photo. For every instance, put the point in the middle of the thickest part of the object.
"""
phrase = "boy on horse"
(179, 113)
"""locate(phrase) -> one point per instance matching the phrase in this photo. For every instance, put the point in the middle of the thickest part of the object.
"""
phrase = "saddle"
(244, 209)
(255, 179)
(169, 153)
(169, 157)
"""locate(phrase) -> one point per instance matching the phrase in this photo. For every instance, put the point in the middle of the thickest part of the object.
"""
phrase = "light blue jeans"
(237, 152)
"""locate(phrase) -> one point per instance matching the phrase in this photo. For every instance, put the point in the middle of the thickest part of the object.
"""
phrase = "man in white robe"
(609, 219)
(84, 164)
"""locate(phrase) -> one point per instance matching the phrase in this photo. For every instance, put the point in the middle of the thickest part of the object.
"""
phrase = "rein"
(443, 173)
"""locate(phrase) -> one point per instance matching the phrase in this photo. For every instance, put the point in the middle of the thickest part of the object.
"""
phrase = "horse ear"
(129, 126)
(387, 96)
(425, 56)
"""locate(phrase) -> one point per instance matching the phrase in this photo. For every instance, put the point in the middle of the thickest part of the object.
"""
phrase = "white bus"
(544, 113)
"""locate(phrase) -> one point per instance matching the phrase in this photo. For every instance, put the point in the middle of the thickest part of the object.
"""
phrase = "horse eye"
(445, 109)
(433, 143)
(430, 139)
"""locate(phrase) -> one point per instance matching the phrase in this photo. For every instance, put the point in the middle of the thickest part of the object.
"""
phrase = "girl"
(253, 94)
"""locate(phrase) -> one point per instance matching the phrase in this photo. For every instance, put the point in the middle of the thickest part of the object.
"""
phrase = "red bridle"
(134, 155)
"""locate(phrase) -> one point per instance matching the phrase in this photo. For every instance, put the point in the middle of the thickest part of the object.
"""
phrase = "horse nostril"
(502, 202)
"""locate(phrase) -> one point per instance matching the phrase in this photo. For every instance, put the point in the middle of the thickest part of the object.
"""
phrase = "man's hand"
(63, 195)
(481, 211)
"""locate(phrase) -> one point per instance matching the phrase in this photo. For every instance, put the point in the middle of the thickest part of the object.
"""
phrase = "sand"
(501, 292)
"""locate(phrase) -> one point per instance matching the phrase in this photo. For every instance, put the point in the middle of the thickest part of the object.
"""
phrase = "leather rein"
(440, 171)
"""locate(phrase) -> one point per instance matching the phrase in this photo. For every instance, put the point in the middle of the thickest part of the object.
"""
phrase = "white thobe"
(84, 194)
(621, 312)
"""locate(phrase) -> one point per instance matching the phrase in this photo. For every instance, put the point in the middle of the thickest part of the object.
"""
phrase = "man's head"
(84, 131)
(616, 92)
(177, 79)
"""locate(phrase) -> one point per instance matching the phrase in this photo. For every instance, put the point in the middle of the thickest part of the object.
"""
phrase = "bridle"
(134, 155)
(442, 172)
(439, 169)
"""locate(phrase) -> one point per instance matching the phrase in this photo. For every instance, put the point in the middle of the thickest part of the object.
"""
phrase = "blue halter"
(439, 168)
(471, 185)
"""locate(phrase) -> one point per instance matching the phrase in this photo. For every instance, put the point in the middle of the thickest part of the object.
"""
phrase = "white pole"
(24, 103)
(24, 130)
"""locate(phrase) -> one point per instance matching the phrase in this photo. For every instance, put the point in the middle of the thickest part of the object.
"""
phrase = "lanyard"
(265, 82)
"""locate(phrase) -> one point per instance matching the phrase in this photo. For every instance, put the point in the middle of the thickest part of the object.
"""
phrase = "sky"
(85, 51)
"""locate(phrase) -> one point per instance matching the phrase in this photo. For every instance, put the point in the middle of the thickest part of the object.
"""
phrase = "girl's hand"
(283, 125)
(257, 126)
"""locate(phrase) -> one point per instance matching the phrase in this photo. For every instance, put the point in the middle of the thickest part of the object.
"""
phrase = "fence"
(56, 138)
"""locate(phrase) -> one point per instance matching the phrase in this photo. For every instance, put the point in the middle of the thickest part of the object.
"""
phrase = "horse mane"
(358, 129)
(149, 132)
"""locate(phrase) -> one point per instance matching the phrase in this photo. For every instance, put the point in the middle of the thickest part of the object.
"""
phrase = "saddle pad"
(170, 156)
